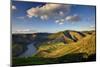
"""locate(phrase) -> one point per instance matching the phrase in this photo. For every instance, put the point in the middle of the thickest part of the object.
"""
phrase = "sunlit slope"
(68, 36)
(85, 44)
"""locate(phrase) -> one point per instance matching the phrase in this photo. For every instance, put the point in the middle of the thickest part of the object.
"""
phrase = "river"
(31, 50)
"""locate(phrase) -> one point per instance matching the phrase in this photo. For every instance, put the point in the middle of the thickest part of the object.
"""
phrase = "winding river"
(31, 50)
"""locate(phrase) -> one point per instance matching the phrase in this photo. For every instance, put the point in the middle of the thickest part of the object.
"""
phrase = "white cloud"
(61, 13)
(44, 17)
(23, 31)
(61, 23)
(13, 7)
(73, 18)
(32, 12)
(92, 26)
(48, 11)
(21, 17)
(57, 21)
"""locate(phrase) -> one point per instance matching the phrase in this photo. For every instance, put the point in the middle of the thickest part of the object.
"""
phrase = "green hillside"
(84, 45)
(63, 47)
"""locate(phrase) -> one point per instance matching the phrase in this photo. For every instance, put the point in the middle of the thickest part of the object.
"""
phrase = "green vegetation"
(85, 45)
(17, 49)
(35, 60)
(79, 47)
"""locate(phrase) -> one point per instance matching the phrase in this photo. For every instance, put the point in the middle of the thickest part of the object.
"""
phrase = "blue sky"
(30, 17)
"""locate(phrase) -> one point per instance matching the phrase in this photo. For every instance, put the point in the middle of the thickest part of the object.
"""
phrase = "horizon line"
(47, 32)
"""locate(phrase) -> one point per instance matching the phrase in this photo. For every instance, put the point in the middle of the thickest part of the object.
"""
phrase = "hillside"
(85, 44)
(65, 46)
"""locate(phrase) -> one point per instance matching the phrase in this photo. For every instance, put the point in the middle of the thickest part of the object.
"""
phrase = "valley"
(46, 48)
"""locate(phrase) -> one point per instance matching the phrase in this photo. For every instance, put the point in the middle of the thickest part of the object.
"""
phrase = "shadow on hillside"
(77, 57)
(70, 58)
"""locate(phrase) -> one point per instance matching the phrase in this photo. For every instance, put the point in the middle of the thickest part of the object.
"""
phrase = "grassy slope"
(85, 45)
(60, 52)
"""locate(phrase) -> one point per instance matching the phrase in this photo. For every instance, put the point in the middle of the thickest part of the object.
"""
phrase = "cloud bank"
(23, 31)
(48, 11)
(57, 12)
